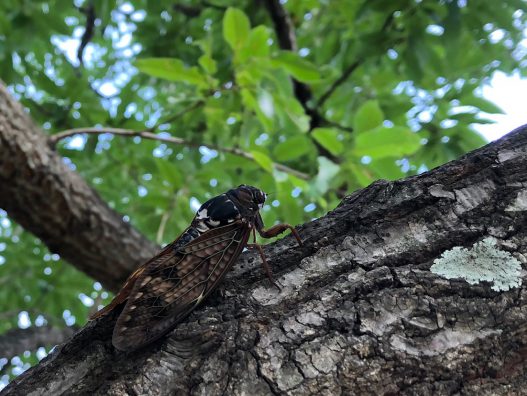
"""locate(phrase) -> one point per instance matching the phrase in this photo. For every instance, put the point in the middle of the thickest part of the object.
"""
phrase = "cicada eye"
(260, 198)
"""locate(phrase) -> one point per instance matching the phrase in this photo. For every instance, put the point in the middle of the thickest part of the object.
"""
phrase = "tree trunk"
(359, 312)
(43, 195)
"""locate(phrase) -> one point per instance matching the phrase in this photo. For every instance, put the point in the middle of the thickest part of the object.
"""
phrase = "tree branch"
(359, 312)
(53, 139)
(17, 341)
(40, 192)
(89, 30)
(285, 31)
(287, 40)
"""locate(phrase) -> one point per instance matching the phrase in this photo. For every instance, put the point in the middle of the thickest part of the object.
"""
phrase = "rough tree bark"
(359, 311)
(53, 202)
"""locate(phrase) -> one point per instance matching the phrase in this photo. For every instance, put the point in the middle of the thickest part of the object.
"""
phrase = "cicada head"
(249, 198)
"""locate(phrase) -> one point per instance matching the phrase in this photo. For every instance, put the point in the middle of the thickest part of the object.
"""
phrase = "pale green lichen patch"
(483, 262)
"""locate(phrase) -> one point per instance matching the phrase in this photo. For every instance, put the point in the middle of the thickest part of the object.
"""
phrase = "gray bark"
(53, 202)
(359, 311)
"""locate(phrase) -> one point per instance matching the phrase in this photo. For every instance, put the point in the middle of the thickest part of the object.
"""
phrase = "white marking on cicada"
(202, 227)
(202, 214)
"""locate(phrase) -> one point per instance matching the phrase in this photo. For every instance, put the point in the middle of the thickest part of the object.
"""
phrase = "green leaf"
(251, 102)
(481, 103)
(387, 142)
(263, 160)
(207, 63)
(362, 175)
(169, 172)
(292, 148)
(171, 69)
(384, 169)
(236, 27)
(256, 45)
(368, 116)
(299, 68)
(326, 171)
(328, 138)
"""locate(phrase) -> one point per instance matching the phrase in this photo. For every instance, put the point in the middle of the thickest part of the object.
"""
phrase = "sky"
(508, 92)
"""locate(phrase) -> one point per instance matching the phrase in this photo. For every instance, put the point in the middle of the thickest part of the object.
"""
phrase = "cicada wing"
(165, 254)
(166, 291)
(124, 293)
(121, 297)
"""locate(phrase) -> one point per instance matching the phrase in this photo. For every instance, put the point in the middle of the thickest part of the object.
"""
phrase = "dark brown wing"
(167, 290)
(164, 255)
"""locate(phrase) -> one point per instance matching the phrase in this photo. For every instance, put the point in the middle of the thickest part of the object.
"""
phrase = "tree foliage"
(308, 100)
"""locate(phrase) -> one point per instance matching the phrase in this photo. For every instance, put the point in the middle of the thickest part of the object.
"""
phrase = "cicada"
(165, 289)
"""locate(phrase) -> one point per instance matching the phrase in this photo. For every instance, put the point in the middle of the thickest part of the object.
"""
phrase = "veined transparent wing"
(171, 285)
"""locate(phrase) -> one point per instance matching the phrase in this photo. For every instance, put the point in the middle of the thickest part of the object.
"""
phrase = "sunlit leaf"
(263, 160)
(292, 148)
(326, 171)
(368, 116)
(171, 69)
(329, 139)
(386, 142)
(256, 45)
(299, 68)
(169, 172)
(236, 27)
(208, 64)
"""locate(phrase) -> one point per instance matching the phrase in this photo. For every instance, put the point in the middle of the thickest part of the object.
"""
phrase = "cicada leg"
(278, 229)
(265, 264)
(270, 233)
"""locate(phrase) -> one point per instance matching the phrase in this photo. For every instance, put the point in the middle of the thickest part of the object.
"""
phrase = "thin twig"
(177, 115)
(350, 69)
(164, 219)
(337, 125)
(54, 139)
(89, 30)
